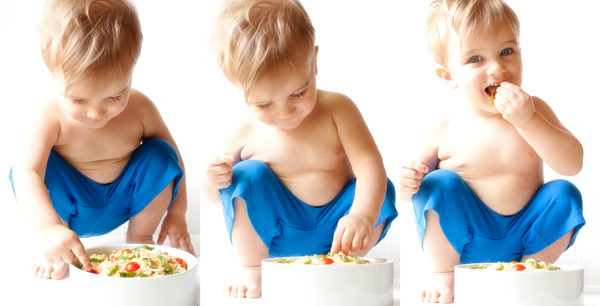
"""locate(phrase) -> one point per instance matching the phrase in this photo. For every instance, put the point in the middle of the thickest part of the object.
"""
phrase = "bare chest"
(496, 162)
(99, 154)
(292, 154)
(486, 149)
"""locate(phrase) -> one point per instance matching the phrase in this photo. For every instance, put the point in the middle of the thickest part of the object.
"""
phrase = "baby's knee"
(443, 180)
(565, 194)
(158, 148)
(251, 170)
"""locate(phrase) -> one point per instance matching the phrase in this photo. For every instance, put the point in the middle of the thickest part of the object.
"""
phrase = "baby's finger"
(79, 252)
(411, 173)
(221, 169)
(174, 241)
(418, 166)
(357, 242)
(162, 235)
(366, 242)
(347, 240)
(410, 190)
(224, 178)
(336, 244)
(411, 183)
(188, 246)
(223, 159)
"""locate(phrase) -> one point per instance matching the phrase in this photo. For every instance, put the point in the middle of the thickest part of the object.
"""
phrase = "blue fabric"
(288, 226)
(479, 234)
(92, 208)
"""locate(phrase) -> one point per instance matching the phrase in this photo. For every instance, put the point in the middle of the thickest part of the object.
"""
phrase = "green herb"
(144, 247)
(493, 94)
(168, 267)
(113, 271)
(92, 259)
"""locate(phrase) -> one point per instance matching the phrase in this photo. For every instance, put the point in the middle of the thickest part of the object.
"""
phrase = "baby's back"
(496, 162)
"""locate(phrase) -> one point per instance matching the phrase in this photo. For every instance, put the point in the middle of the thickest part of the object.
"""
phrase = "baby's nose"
(96, 113)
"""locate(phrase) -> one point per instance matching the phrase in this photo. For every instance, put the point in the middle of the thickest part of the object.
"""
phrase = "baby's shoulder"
(333, 100)
(138, 102)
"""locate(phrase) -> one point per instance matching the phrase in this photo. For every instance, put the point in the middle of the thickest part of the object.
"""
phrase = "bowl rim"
(117, 246)
(374, 261)
(563, 268)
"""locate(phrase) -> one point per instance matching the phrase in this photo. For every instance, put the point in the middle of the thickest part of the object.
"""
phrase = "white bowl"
(327, 285)
(176, 289)
(518, 288)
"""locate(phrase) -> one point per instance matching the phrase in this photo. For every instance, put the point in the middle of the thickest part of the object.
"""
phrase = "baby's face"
(484, 60)
(285, 99)
(92, 102)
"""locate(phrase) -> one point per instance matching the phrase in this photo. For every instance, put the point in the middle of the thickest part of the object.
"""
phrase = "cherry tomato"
(132, 267)
(327, 260)
(181, 262)
(93, 271)
(126, 251)
(518, 267)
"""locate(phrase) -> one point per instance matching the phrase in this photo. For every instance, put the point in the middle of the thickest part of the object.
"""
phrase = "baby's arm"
(218, 172)
(539, 126)
(58, 243)
(426, 160)
(174, 225)
(353, 231)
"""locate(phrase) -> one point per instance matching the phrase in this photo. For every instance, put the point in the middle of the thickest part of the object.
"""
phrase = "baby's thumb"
(223, 159)
(162, 236)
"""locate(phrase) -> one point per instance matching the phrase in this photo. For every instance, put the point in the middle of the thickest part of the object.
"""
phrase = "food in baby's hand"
(329, 259)
(142, 261)
(493, 94)
(528, 265)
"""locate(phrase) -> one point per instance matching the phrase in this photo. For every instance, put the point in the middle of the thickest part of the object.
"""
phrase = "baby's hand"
(61, 245)
(411, 176)
(175, 227)
(219, 172)
(353, 233)
(515, 105)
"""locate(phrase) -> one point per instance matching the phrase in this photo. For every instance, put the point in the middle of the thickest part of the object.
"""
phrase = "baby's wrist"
(365, 216)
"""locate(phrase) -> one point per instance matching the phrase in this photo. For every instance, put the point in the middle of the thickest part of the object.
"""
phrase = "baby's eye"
(475, 59)
(263, 106)
(78, 101)
(299, 95)
(506, 52)
(115, 99)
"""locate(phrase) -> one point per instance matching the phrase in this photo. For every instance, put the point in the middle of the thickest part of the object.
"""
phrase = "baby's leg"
(442, 258)
(553, 251)
(251, 251)
(143, 225)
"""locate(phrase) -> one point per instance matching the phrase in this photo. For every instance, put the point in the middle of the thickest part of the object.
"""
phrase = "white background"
(373, 51)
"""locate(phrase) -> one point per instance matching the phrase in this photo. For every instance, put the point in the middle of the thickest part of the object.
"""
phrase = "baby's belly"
(102, 171)
(504, 194)
(315, 188)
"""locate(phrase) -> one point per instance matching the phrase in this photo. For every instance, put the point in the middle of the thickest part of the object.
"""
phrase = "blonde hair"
(463, 18)
(90, 38)
(254, 37)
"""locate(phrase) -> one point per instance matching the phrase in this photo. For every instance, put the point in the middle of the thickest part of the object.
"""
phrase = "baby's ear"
(444, 75)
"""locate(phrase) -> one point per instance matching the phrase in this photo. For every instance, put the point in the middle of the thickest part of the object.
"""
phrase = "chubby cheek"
(263, 116)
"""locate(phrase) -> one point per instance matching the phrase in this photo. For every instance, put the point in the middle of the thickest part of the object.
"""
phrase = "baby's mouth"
(491, 90)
